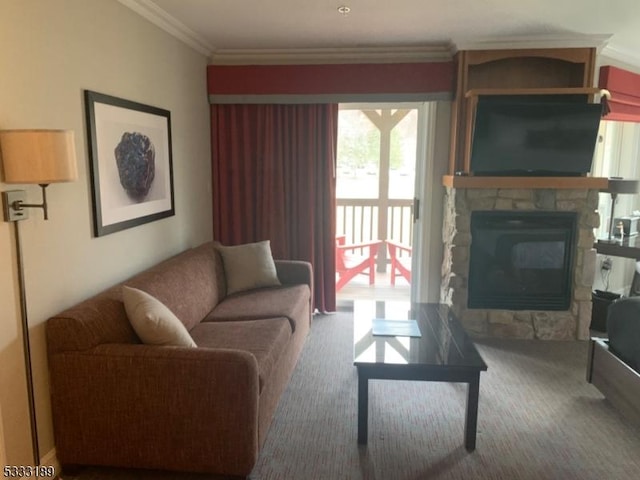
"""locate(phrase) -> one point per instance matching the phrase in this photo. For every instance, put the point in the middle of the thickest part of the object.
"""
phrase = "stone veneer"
(525, 324)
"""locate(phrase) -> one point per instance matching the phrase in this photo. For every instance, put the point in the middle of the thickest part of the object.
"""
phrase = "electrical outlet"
(10, 199)
(606, 264)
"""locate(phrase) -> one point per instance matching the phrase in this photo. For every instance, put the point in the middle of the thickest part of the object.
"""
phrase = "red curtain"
(274, 179)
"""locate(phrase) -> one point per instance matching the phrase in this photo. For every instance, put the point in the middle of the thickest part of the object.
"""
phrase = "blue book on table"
(395, 328)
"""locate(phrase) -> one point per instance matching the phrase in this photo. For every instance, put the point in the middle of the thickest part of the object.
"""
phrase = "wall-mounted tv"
(545, 138)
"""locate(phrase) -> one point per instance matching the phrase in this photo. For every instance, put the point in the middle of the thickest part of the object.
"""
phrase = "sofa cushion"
(274, 302)
(248, 266)
(153, 322)
(266, 339)
(189, 284)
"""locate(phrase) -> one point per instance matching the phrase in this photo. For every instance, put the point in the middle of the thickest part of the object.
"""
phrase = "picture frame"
(131, 162)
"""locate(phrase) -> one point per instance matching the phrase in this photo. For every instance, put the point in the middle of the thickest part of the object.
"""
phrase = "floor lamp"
(617, 186)
(32, 157)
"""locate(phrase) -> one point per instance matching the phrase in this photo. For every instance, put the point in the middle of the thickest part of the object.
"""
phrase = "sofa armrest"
(130, 405)
(294, 272)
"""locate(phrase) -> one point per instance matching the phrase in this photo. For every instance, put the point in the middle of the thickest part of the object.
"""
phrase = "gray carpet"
(538, 419)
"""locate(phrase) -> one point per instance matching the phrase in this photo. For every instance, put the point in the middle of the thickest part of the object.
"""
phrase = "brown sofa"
(118, 402)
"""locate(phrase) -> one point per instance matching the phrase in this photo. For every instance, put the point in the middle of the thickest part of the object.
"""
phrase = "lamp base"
(11, 198)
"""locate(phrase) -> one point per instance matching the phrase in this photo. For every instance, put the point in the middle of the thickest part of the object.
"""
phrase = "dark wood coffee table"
(444, 353)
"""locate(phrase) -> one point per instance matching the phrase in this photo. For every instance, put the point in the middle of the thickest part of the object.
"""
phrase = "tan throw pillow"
(154, 323)
(248, 266)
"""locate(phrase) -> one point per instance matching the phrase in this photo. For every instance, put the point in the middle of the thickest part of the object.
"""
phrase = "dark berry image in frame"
(135, 157)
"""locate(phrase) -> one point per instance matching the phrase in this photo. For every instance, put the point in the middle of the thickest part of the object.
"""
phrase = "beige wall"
(3, 460)
(51, 51)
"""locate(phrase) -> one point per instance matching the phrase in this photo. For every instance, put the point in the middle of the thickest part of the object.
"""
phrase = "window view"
(617, 155)
(359, 146)
(358, 156)
(375, 190)
(403, 157)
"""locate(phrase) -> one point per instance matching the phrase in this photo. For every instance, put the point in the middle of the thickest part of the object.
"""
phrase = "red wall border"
(367, 78)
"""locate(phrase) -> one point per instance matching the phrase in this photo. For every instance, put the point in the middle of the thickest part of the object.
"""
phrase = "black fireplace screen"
(521, 260)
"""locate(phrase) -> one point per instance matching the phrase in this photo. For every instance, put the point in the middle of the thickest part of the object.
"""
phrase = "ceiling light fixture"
(344, 10)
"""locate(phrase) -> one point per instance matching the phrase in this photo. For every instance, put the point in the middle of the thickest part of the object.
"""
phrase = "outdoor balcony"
(360, 220)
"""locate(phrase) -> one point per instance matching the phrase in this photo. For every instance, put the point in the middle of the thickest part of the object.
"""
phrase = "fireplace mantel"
(470, 181)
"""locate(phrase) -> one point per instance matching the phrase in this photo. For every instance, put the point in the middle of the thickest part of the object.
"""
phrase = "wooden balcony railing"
(365, 219)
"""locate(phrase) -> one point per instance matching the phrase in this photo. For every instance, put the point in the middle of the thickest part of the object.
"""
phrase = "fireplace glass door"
(521, 260)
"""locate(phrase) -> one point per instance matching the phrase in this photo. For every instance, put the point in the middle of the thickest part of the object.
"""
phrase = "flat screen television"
(547, 138)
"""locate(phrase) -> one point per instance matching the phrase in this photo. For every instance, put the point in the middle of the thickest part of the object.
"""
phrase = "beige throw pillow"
(154, 323)
(248, 266)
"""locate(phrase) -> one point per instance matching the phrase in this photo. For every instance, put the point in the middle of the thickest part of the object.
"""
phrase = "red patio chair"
(349, 264)
(400, 264)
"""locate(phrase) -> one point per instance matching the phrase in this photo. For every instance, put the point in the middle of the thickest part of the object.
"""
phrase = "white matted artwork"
(131, 162)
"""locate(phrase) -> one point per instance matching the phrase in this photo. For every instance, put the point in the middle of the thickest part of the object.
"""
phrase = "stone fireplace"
(521, 260)
(567, 320)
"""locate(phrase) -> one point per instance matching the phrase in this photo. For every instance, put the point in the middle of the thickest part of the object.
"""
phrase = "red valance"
(624, 87)
(242, 83)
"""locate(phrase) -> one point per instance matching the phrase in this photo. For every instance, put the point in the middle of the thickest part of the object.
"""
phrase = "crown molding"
(623, 55)
(535, 41)
(309, 56)
(150, 11)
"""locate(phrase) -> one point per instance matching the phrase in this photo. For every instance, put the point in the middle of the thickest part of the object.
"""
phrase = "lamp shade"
(38, 156)
(621, 186)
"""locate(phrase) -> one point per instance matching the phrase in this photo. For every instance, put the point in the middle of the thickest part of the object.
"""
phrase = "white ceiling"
(221, 25)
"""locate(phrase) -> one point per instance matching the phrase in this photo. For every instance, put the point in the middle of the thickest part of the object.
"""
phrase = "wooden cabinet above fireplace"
(521, 72)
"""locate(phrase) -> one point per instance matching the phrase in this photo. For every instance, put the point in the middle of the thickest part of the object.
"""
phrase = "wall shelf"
(468, 181)
(552, 71)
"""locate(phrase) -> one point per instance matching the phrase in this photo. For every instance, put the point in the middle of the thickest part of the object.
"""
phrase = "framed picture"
(131, 163)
